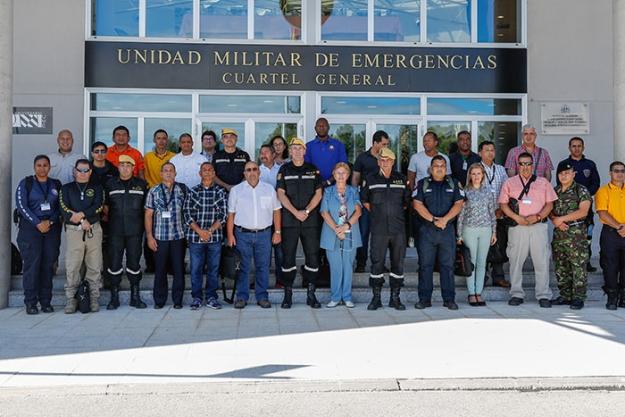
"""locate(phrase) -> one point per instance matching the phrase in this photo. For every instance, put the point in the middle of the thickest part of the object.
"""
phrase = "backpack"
(28, 183)
(83, 297)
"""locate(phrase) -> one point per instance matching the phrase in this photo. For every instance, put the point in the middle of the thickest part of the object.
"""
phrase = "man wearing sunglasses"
(101, 169)
(610, 203)
(81, 205)
(527, 199)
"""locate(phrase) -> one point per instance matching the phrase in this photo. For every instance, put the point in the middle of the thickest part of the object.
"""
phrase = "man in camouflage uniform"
(569, 244)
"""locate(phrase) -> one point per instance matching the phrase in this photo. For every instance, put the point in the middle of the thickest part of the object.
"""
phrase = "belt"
(244, 230)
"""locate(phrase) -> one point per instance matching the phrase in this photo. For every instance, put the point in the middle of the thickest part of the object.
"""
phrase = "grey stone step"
(360, 295)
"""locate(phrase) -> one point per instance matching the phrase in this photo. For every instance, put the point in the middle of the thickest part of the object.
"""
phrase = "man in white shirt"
(187, 162)
(253, 208)
(62, 161)
(419, 165)
(268, 168)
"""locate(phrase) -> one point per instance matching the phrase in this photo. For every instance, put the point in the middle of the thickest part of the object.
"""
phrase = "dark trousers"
(278, 257)
(133, 246)
(364, 224)
(310, 243)
(39, 252)
(171, 251)
(435, 243)
(397, 246)
(612, 258)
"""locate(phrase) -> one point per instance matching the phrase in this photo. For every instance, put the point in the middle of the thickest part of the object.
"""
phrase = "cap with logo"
(387, 153)
(127, 159)
(227, 130)
(298, 141)
(564, 166)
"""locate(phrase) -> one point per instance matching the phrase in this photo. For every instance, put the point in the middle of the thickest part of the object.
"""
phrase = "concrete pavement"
(149, 346)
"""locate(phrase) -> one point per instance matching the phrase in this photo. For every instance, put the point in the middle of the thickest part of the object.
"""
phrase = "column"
(618, 15)
(6, 112)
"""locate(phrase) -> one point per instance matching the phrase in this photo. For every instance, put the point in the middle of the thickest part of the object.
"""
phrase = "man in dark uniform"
(385, 195)
(462, 159)
(587, 175)
(299, 190)
(230, 162)
(365, 165)
(438, 199)
(125, 197)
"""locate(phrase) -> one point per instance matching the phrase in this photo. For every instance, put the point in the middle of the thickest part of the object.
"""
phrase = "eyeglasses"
(83, 170)
(618, 171)
(251, 169)
(99, 151)
(526, 164)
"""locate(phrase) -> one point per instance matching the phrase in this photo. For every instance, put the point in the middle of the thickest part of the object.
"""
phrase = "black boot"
(287, 301)
(311, 299)
(395, 302)
(621, 298)
(612, 299)
(135, 297)
(114, 303)
(376, 302)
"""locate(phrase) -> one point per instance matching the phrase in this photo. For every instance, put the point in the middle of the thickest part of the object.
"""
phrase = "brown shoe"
(264, 303)
(500, 282)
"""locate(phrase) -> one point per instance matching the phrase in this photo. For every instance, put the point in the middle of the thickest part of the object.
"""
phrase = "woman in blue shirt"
(39, 236)
(340, 235)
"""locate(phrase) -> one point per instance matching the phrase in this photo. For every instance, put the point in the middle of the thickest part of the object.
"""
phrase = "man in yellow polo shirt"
(610, 203)
(154, 160)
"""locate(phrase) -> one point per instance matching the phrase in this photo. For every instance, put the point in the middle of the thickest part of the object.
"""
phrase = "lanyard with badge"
(526, 189)
(490, 178)
(45, 206)
(166, 214)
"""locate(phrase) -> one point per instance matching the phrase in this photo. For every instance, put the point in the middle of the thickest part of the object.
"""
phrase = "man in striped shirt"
(541, 159)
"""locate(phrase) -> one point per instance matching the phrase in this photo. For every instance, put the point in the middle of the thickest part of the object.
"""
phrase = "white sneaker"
(332, 304)
(349, 304)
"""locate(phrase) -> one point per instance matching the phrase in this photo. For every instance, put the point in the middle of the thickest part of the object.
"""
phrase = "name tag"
(464, 166)
(166, 214)
(449, 190)
(526, 201)
(45, 206)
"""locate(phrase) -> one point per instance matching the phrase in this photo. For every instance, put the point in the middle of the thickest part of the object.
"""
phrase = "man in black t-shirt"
(230, 162)
(365, 165)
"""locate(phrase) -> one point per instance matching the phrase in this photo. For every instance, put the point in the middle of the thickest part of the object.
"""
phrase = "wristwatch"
(307, 211)
(278, 231)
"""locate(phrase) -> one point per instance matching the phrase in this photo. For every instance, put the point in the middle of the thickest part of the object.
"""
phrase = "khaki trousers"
(529, 240)
(87, 248)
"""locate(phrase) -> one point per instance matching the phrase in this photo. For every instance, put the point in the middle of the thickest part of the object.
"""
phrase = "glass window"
(403, 142)
(397, 21)
(278, 19)
(266, 131)
(344, 20)
(101, 129)
(115, 17)
(505, 136)
(249, 104)
(174, 128)
(352, 136)
(499, 21)
(474, 106)
(370, 105)
(447, 134)
(170, 19)
(217, 126)
(225, 19)
(141, 102)
(449, 20)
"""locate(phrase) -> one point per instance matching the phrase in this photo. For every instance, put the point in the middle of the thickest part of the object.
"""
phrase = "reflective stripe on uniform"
(306, 267)
(130, 271)
(291, 177)
(397, 186)
(140, 192)
(117, 192)
(395, 275)
(114, 272)
(376, 276)
(371, 187)
(288, 269)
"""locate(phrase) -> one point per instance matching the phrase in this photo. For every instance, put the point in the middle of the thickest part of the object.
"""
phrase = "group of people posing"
(120, 205)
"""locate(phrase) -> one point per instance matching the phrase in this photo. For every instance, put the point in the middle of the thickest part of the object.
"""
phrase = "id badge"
(166, 214)
(465, 166)
(527, 201)
(45, 206)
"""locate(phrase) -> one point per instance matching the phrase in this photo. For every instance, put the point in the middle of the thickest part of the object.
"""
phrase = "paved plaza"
(130, 346)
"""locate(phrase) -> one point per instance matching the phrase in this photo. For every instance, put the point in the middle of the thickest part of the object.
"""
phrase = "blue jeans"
(341, 261)
(433, 243)
(364, 225)
(209, 255)
(255, 246)
(477, 239)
